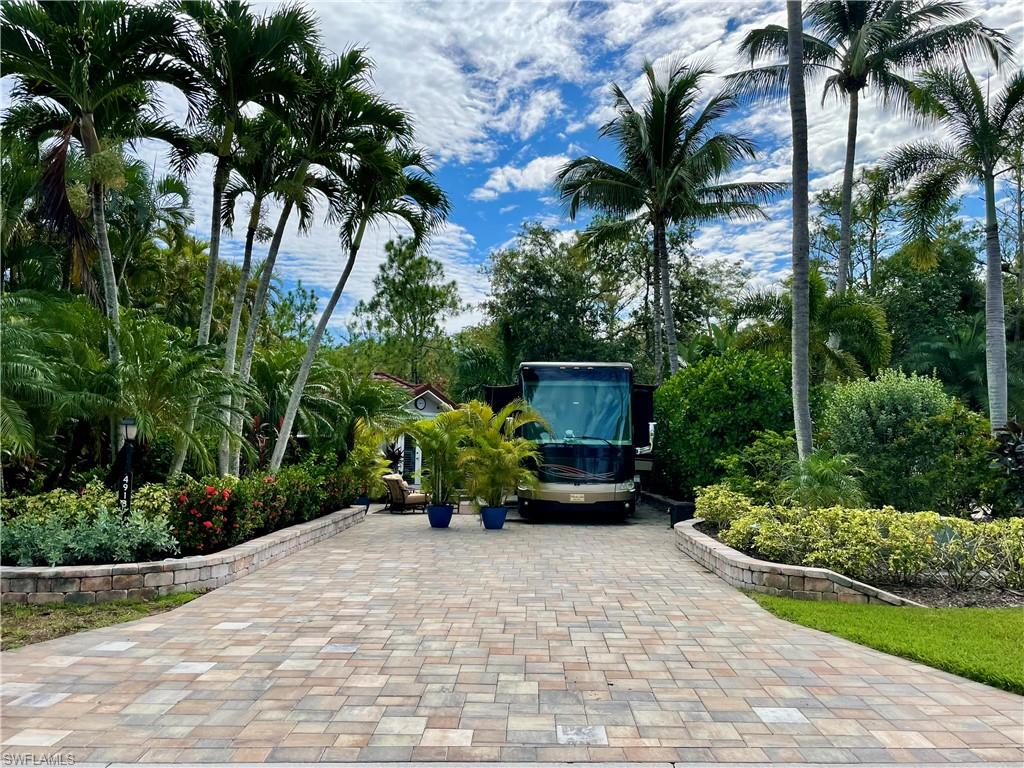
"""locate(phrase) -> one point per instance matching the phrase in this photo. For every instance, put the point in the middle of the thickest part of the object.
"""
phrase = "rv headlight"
(626, 486)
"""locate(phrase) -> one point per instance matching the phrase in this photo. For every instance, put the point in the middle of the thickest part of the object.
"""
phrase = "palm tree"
(800, 301)
(395, 185)
(858, 44)
(161, 378)
(958, 359)
(87, 70)
(497, 459)
(847, 335)
(672, 164)
(983, 133)
(329, 122)
(260, 169)
(240, 59)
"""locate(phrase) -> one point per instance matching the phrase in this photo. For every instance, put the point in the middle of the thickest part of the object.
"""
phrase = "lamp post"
(124, 484)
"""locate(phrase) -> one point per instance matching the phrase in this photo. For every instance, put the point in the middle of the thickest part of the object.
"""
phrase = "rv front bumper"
(569, 493)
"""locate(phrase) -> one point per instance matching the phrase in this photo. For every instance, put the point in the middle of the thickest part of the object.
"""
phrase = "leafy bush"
(153, 501)
(303, 496)
(61, 503)
(720, 505)
(769, 531)
(918, 447)
(1009, 458)
(200, 517)
(86, 537)
(713, 408)
(879, 545)
(756, 470)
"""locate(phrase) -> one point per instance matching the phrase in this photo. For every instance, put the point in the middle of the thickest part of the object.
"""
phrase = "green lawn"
(983, 644)
(26, 624)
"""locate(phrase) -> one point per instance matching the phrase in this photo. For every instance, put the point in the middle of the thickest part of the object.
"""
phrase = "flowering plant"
(201, 517)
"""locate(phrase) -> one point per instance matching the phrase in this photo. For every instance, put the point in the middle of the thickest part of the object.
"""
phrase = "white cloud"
(536, 175)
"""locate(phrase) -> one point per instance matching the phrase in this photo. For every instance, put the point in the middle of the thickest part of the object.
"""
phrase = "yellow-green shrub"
(719, 505)
(965, 553)
(1010, 552)
(908, 541)
(846, 540)
(770, 531)
(881, 545)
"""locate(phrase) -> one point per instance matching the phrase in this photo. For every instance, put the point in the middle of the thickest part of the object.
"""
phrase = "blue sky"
(503, 93)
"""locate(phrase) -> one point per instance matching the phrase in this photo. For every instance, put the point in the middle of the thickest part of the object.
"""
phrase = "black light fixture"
(124, 484)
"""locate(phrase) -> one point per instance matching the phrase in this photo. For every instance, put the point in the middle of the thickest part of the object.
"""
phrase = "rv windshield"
(588, 405)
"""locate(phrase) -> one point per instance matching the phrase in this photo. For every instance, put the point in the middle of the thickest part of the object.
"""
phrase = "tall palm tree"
(397, 185)
(330, 123)
(264, 163)
(240, 59)
(982, 133)
(672, 163)
(959, 360)
(861, 44)
(87, 70)
(847, 334)
(800, 301)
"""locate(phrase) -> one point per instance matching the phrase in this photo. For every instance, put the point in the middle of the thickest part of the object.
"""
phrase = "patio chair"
(402, 498)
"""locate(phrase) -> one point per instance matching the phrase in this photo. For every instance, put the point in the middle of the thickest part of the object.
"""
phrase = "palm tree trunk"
(659, 357)
(255, 316)
(995, 320)
(107, 275)
(307, 362)
(231, 344)
(801, 238)
(220, 181)
(846, 200)
(668, 318)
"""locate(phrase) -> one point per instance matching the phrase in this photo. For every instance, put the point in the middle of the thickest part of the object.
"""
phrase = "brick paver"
(392, 641)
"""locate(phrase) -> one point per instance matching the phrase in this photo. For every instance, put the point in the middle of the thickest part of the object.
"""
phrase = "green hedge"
(919, 448)
(189, 516)
(876, 545)
(711, 409)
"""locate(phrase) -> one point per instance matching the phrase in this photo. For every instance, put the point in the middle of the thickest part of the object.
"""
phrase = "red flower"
(182, 498)
(210, 490)
(207, 524)
(227, 493)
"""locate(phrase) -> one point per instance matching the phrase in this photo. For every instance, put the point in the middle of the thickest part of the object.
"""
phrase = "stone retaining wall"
(100, 583)
(747, 572)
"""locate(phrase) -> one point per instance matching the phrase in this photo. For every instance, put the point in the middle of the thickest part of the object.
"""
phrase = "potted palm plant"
(440, 440)
(495, 460)
(368, 466)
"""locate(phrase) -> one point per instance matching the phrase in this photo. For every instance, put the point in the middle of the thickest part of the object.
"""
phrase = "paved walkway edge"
(101, 583)
(540, 765)
(797, 581)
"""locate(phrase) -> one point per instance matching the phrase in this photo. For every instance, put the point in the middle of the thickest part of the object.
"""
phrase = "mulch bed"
(940, 597)
(932, 596)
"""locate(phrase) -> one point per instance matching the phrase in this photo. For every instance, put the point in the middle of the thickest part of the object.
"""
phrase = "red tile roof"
(415, 390)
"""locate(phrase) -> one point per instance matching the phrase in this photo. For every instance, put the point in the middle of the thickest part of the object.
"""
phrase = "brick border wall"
(101, 583)
(797, 581)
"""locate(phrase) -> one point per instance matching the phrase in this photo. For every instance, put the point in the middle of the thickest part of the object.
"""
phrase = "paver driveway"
(392, 641)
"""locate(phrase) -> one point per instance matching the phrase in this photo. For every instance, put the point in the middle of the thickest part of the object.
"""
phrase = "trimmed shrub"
(882, 545)
(61, 503)
(720, 505)
(918, 447)
(86, 538)
(200, 518)
(756, 470)
(713, 408)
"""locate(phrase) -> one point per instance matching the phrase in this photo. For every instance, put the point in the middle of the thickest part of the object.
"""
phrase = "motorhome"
(599, 429)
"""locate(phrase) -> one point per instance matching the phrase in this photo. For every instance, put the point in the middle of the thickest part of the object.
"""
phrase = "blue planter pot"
(363, 501)
(440, 515)
(493, 517)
